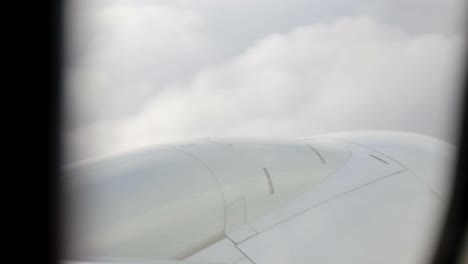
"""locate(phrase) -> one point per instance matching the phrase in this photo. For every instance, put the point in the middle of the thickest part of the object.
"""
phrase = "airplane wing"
(362, 197)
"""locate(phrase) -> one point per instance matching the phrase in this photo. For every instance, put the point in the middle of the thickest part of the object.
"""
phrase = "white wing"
(363, 197)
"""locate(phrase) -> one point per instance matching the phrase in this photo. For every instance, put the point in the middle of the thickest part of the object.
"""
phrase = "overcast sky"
(141, 72)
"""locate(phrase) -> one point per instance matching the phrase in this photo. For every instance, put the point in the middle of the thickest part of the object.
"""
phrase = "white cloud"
(129, 53)
(123, 52)
(354, 73)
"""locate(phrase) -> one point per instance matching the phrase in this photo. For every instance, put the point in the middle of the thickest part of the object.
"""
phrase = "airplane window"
(260, 131)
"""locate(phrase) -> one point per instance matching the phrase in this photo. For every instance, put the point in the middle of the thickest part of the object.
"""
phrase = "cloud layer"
(351, 73)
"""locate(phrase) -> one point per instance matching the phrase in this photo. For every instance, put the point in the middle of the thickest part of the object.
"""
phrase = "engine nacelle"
(169, 201)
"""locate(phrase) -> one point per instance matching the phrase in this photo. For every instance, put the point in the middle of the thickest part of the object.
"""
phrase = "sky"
(145, 72)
